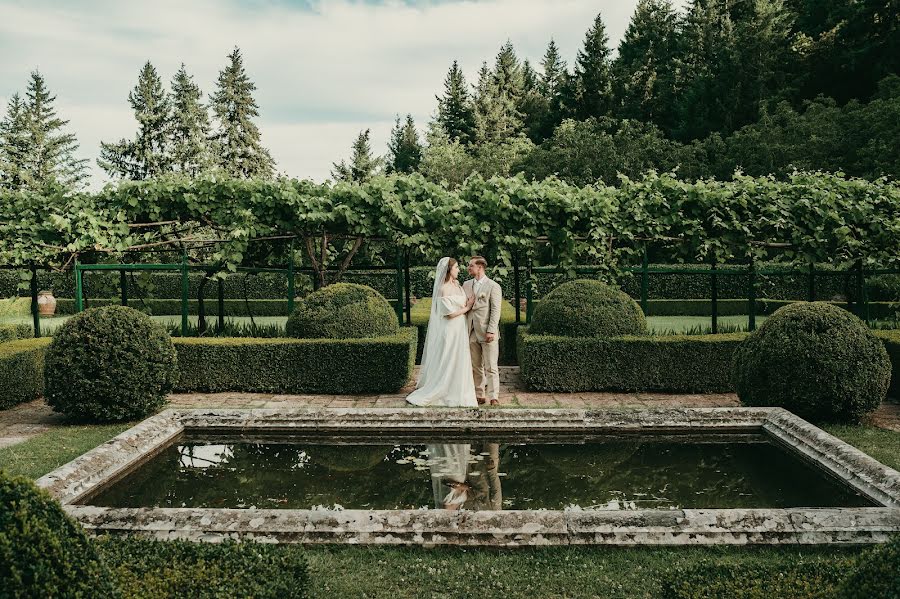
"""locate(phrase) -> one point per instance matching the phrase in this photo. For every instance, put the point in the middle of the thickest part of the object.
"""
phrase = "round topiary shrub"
(816, 360)
(877, 575)
(43, 553)
(343, 311)
(587, 308)
(109, 364)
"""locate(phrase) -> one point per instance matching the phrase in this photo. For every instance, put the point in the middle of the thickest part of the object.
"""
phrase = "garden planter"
(46, 303)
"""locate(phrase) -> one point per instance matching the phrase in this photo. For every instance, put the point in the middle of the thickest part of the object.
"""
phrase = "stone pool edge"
(84, 475)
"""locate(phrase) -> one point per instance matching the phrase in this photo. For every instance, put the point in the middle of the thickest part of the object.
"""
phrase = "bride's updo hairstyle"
(451, 262)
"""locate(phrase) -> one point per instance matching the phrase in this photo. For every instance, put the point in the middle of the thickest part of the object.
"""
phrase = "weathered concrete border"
(75, 481)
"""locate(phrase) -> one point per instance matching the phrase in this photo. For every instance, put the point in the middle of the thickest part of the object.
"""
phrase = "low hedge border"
(14, 332)
(797, 580)
(330, 366)
(172, 307)
(145, 568)
(891, 341)
(21, 371)
(681, 363)
(421, 312)
(741, 307)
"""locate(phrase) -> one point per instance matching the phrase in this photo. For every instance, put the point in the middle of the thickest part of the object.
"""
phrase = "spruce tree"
(405, 150)
(553, 87)
(190, 126)
(14, 145)
(455, 107)
(50, 152)
(593, 78)
(533, 105)
(150, 153)
(363, 166)
(237, 147)
(644, 70)
(497, 97)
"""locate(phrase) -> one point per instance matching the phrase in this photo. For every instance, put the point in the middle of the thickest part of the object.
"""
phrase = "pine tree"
(497, 98)
(455, 107)
(14, 145)
(363, 166)
(150, 153)
(404, 147)
(593, 79)
(190, 126)
(644, 70)
(553, 87)
(237, 147)
(533, 105)
(50, 152)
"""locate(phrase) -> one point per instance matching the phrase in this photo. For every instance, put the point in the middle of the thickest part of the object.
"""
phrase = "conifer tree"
(363, 166)
(405, 150)
(14, 145)
(445, 160)
(50, 151)
(150, 153)
(644, 70)
(497, 98)
(455, 107)
(592, 78)
(238, 149)
(533, 105)
(190, 126)
(553, 85)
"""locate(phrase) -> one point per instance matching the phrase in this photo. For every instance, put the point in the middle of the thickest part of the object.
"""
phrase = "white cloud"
(322, 74)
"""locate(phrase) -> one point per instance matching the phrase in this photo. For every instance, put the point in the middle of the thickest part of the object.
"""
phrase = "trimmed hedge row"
(172, 307)
(740, 307)
(682, 363)
(150, 569)
(14, 332)
(421, 311)
(891, 341)
(798, 580)
(344, 366)
(21, 371)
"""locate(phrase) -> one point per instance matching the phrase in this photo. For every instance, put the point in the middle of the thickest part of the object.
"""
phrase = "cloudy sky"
(324, 69)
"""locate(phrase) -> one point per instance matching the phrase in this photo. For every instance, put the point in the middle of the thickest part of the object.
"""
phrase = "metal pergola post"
(645, 282)
(79, 295)
(406, 286)
(751, 296)
(184, 294)
(518, 288)
(714, 292)
(398, 306)
(290, 281)
(35, 312)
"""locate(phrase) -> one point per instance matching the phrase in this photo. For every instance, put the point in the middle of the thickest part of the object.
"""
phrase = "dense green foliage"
(342, 311)
(21, 371)
(800, 580)
(339, 366)
(877, 575)
(891, 340)
(685, 364)
(110, 364)
(13, 332)
(43, 553)
(152, 569)
(816, 360)
(587, 308)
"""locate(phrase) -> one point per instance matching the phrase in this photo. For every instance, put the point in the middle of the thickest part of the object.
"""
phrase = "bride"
(445, 378)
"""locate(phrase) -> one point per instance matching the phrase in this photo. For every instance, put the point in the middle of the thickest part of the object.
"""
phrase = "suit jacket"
(484, 317)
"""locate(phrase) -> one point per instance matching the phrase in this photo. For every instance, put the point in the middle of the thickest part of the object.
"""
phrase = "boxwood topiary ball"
(343, 311)
(816, 360)
(43, 553)
(109, 364)
(588, 308)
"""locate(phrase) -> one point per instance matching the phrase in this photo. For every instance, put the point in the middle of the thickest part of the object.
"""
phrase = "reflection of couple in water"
(461, 482)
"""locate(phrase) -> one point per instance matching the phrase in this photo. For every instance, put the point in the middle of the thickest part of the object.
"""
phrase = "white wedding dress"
(445, 377)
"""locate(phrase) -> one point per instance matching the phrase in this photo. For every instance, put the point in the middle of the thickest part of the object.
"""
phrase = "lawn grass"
(881, 444)
(50, 450)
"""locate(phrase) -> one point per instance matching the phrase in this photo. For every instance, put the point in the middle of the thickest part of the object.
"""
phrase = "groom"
(483, 322)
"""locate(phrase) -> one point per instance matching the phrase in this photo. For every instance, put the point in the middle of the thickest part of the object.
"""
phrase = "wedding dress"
(445, 377)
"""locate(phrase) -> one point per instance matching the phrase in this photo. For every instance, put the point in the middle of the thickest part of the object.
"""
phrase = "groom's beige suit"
(484, 318)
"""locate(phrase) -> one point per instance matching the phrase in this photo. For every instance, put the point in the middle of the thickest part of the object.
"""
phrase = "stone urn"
(46, 303)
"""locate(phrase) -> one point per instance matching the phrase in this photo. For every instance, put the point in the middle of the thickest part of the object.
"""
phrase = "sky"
(324, 69)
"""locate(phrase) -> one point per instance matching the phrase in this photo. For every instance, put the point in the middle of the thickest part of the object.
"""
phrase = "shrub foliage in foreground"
(110, 364)
(878, 574)
(380, 365)
(161, 569)
(587, 308)
(342, 311)
(816, 360)
(43, 553)
(682, 363)
(21, 371)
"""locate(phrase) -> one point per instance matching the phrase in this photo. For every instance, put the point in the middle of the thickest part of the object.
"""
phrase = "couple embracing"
(459, 360)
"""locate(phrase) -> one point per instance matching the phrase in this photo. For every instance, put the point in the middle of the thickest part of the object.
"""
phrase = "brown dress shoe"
(495, 402)
(481, 401)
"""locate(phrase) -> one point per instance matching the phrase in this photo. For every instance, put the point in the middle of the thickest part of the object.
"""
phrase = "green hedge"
(421, 311)
(338, 366)
(14, 332)
(150, 569)
(798, 580)
(21, 371)
(683, 363)
(891, 341)
(172, 307)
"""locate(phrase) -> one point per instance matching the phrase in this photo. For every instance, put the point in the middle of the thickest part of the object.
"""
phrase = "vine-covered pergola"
(222, 226)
